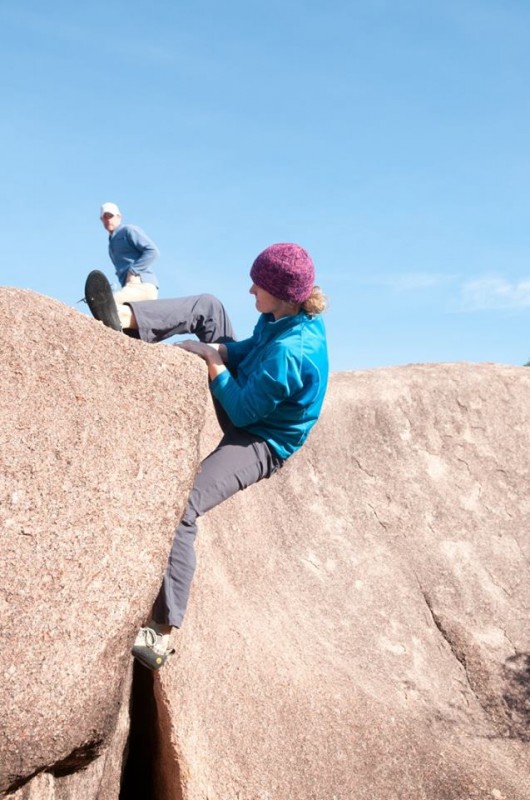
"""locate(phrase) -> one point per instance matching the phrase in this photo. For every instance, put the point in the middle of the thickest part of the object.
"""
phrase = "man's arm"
(147, 250)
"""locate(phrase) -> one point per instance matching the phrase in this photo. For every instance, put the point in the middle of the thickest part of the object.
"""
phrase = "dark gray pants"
(240, 459)
(201, 314)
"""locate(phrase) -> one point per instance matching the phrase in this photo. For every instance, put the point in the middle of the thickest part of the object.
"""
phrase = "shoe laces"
(158, 642)
(150, 636)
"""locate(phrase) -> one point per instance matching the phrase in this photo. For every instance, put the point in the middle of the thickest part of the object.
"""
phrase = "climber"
(270, 389)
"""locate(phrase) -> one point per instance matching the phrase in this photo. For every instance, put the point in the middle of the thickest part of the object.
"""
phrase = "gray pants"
(240, 459)
(201, 314)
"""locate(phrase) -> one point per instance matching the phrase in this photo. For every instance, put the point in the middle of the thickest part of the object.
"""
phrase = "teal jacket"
(276, 380)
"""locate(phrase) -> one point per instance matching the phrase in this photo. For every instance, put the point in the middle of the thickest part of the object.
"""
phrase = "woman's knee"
(211, 302)
(189, 519)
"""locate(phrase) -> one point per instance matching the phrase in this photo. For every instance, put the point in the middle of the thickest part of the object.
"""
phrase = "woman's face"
(266, 303)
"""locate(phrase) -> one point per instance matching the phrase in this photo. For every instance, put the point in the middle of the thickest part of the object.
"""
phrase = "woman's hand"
(211, 353)
(208, 352)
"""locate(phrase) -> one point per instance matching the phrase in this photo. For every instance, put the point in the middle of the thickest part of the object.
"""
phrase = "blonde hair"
(316, 303)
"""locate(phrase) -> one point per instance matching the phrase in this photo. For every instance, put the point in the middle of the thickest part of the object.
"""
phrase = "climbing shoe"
(100, 299)
(152, 649)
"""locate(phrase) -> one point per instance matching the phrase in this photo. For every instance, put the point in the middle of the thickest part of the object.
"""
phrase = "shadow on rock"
(517, 695)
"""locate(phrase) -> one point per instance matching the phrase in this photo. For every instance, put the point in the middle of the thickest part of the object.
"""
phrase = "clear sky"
(388, 137)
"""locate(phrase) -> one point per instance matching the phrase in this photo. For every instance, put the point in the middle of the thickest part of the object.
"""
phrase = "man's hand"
(133, 278)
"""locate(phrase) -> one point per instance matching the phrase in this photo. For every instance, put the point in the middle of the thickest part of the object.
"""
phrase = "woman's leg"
(240, 459)
(201, 314)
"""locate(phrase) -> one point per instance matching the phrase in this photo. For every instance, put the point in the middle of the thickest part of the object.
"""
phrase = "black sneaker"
(98, 294)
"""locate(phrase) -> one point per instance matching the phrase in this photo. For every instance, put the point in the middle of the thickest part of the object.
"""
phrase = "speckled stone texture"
(98, 450)
(360, 623)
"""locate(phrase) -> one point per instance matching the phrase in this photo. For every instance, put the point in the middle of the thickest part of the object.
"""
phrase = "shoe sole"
(100, 300)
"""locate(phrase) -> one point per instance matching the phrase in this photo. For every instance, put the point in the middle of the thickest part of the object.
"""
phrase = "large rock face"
(359, 623)
(98, 448)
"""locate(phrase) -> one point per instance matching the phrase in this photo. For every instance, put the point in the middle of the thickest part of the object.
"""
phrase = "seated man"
(133, 254)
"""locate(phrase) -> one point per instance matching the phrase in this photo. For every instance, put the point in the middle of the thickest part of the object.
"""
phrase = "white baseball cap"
(110, 208)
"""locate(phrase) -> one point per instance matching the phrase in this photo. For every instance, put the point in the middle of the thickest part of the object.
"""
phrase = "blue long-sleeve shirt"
(276, 380)
(130, 250)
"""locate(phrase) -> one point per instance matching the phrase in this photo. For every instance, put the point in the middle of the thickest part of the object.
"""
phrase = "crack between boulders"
(151, 770)
(168, 772)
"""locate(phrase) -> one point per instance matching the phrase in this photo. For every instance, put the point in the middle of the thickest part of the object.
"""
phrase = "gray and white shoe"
(151, 648)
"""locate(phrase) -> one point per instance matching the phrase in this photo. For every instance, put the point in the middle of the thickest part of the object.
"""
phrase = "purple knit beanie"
(285, 271)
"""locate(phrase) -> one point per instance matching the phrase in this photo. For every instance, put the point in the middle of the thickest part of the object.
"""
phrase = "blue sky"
(391, 139)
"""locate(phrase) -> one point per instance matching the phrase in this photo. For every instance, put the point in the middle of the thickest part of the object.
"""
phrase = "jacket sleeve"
(278, 378)
(236, 351)
(147, 250)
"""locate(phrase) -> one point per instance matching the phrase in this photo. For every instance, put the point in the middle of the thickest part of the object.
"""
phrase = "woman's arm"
(277, 379)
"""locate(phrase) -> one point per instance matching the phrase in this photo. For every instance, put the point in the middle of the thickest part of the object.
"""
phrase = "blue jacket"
(130, 250)
(276, 380)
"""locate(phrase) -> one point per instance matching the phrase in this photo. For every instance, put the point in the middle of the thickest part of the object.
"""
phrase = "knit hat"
(285, 271)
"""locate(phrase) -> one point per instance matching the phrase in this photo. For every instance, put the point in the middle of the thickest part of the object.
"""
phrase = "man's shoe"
(152, 649)
(101, 302)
